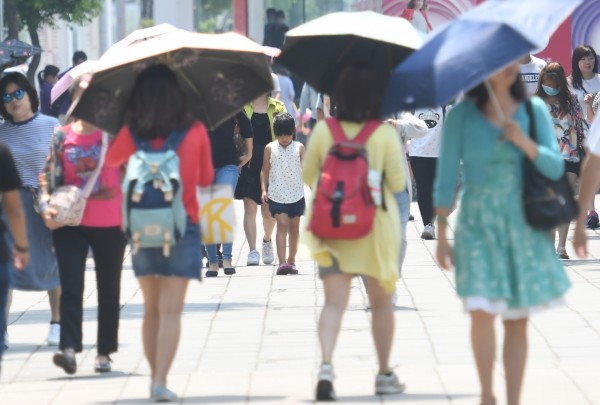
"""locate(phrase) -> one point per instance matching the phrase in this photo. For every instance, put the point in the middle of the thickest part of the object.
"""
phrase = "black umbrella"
(218, 72)
(316, 51)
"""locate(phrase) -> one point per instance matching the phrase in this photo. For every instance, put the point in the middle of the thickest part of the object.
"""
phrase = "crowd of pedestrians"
(504, 267)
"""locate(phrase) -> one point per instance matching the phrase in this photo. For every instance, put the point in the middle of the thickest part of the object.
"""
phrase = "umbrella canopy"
(466, 51)
(218, 72)
(64, 83)
(19, 49)
(318, 50)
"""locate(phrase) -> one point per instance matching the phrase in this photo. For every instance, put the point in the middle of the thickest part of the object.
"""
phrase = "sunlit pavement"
(251, 338)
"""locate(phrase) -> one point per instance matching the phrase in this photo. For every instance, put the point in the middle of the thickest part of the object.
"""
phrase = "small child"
(283, 189)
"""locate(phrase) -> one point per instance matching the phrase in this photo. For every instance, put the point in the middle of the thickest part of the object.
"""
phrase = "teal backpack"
(153, 211)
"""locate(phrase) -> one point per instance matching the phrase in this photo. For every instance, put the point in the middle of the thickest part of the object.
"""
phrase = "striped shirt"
(29, 143)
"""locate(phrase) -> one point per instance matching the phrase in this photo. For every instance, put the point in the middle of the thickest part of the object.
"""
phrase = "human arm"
(409, 126)
(120, 149)
(264, 174)
(247, 135)
(206, 168)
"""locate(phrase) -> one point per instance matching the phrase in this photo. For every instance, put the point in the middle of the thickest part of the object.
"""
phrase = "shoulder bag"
(68, 200)
(547, 203)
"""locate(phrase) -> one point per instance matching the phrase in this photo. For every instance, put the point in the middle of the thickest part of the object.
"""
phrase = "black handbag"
(548, 203)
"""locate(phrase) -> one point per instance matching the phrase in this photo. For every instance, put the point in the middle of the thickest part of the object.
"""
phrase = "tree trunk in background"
(35, 61)
(12, 17)
(147, 13)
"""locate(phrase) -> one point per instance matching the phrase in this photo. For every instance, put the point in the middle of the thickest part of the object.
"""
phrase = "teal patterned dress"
(497, 255)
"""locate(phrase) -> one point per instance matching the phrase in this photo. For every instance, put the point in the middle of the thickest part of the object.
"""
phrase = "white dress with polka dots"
(285, 177)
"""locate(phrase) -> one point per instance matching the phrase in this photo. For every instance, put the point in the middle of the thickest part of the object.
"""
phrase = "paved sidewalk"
(251, 338)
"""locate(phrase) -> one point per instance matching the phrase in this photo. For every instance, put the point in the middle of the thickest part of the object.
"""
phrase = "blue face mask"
(551, 91)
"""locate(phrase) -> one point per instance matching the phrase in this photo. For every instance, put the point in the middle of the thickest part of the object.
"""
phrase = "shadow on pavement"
(92, 377)
(221, 399)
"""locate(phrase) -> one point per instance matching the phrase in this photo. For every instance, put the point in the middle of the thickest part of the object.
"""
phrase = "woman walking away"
(77, 158)
(11, 205)
(27, 134)
(157, 109)
(570, 128)
(47, 78)
(503, 265)
(228, 162)
(359, 93)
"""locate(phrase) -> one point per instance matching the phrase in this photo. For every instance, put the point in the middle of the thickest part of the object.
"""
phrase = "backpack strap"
(340, 136)
(171, 142)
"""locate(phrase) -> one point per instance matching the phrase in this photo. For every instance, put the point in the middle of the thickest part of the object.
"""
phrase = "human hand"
(244, 159)
(48, 216)
(589, 98)
(264, 197)
(20, 259)
(580, 240)
(443, 254)
(513, 133)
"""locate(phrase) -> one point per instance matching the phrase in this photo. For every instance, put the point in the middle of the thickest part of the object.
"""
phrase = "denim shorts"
(292, 210)
(185, 259)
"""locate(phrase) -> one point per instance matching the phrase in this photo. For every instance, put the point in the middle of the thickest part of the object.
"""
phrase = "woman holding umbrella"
(503, 265)
(156, 108)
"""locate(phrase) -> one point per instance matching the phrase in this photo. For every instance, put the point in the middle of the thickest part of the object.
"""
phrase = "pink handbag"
(69, 201)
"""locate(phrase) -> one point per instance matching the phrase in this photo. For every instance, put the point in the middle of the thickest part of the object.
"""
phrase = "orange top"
(195, 161)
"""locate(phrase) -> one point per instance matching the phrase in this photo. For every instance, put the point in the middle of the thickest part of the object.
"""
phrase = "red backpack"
(343, 207)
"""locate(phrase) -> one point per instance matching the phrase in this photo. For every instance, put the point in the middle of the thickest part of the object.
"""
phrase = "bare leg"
(170, 306)
(483, 341)
(268, 221)
(337, 292)
(54, 298)
(382, 324)
(515, 357)
(281, 236)
(563, 231)
(250, 209)
(294, 232)
(150, 289)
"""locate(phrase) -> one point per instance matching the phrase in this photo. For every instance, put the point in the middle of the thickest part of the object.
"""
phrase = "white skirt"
(500, 307)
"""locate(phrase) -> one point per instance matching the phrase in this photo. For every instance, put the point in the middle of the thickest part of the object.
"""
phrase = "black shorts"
(292, 210)
(572, 167)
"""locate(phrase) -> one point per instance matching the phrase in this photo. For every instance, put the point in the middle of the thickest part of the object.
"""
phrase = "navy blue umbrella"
(467, 50)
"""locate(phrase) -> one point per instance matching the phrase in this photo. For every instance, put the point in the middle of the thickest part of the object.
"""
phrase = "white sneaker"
(253, 258)
(267, 252)
(53, 335)
(428, 232)
(325, 391)
(388, 385)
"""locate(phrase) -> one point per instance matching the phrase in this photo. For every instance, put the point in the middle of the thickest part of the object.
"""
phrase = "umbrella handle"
(495, 102)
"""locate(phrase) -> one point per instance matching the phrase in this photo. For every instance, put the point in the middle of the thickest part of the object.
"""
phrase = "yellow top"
(275, 107)
(376, 254)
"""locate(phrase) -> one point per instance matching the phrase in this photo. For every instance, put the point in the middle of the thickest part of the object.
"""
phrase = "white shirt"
(429, 145)
(593, 140)
(285, 177)
(530, 74)
(591, 86)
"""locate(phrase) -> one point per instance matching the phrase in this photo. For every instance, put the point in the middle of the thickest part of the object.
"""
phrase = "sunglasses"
(17, 94)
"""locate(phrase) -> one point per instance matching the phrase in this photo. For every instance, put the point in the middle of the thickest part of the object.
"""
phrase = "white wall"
(256, 20)
(179, 13)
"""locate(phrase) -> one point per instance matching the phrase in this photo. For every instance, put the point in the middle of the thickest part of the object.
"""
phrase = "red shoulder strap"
(340, 136)
(336, 130)
(366, 131)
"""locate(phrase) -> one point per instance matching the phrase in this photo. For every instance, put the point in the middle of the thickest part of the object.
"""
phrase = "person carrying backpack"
(369, 216)
(165, 259)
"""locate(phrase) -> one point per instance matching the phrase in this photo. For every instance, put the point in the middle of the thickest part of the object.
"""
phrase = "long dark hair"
(358, 93)
(49, 70)
(480, 95)
(556, 72)
(578, 53)
(157, 105)
(23, 83)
